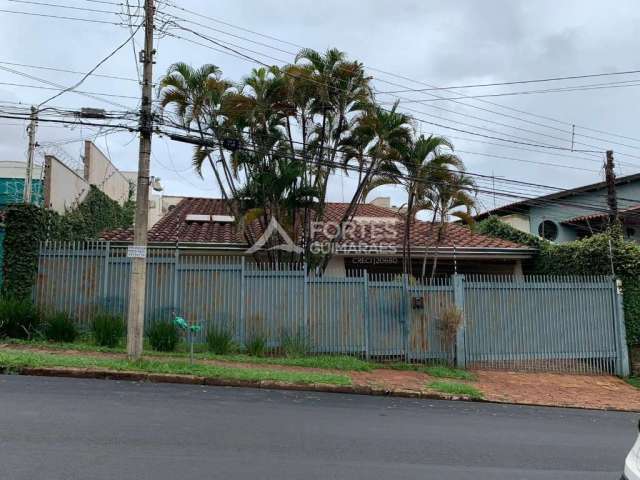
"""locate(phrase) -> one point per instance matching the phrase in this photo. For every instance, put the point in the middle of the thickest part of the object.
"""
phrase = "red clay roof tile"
(374, 225)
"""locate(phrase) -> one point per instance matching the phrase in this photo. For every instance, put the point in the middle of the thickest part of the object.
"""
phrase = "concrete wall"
(63, 188)
(519, 222)
(99, 171)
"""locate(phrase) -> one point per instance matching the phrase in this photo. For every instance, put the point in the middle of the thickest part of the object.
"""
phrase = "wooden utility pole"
(612, 199)
(28, 177)
(138, 253)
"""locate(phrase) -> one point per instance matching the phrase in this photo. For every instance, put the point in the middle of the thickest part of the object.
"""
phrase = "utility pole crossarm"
(138, 277)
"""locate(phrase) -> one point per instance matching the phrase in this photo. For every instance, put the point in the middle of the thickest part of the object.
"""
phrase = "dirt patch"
(583, 391)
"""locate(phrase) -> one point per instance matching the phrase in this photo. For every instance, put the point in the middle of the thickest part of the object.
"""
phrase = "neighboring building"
(575, 213)
(12, 175)
(375, 243)
(59, 187)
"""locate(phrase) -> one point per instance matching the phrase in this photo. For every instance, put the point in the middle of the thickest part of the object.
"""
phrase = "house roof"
(523, 205)
(631, 211)
(372, 225)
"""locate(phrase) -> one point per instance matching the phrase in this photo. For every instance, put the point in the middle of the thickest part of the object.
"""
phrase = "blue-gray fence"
(545, 323)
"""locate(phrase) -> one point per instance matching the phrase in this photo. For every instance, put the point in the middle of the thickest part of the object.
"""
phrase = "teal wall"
(12, 191)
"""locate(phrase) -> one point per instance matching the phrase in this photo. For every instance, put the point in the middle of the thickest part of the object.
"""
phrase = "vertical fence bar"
(365, 312)
(622, 363)
(458, 299)
(305, 300)
(105, 270)
(243, 304)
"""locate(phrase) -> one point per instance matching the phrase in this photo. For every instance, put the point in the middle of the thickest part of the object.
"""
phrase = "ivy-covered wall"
(589, 256)
(28, 225)
(25, 227)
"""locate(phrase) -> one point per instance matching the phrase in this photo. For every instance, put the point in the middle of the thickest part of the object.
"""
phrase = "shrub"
(450, 321)
(164, 336)
(18, 318)
(219, 340)
(108, 329)
(295, 345)
(256, 344)
(60, 327)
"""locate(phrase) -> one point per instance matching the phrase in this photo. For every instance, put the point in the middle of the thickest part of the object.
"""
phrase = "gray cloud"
(439, 42)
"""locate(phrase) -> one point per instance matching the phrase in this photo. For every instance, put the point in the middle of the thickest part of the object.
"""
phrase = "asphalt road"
(68, 429)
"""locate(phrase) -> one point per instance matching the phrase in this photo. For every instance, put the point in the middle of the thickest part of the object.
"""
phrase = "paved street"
(90, 429)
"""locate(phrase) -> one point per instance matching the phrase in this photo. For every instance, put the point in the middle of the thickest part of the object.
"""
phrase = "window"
(631, 232)
(548, 229)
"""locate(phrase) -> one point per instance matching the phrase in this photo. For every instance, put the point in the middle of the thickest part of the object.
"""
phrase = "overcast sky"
(443, 43)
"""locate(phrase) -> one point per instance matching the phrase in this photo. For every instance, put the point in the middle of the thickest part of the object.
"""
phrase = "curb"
(106, 374)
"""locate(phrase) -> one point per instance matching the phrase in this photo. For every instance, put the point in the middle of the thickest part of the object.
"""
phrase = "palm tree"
(197, 95)
(340, 89)
(453, 196)
(387, 134)
(423, 165)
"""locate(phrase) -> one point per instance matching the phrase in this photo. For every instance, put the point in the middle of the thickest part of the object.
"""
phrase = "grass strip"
(14, 360)
(333, 362)
(453, 388)
(633, 381)
(440, 371)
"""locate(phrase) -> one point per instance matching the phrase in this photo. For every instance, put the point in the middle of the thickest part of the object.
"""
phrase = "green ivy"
(28, 225)
(25, 226)
(96, 213)
(589, 256)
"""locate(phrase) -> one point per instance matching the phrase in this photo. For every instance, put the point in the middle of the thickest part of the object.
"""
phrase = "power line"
(53, 69)
(526, 143)
(504, 193)
(81, 92)
(68, 7)
(575, 88)
(86, 75)
(172, 5)
(62, 17)
(517, 82)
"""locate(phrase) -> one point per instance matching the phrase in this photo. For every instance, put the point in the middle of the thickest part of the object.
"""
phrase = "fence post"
(105, 271)
(406, 318)
(365, 311)
(242, 326)
(458, 299)
(305, 301)
(176, 278)
(622, 362)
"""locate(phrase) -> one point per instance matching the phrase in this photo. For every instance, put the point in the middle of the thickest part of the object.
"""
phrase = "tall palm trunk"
(424, 258)
(406, 243)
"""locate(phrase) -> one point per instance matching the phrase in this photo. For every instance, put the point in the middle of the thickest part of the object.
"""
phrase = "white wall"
(99, 171)
(63, 188)
(519, 222)
(10, 169)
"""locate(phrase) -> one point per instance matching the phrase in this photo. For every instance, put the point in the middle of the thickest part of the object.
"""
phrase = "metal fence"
(535, 323)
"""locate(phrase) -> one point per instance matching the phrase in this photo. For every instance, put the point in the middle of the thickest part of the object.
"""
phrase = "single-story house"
(372, 242)
(574, 213)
